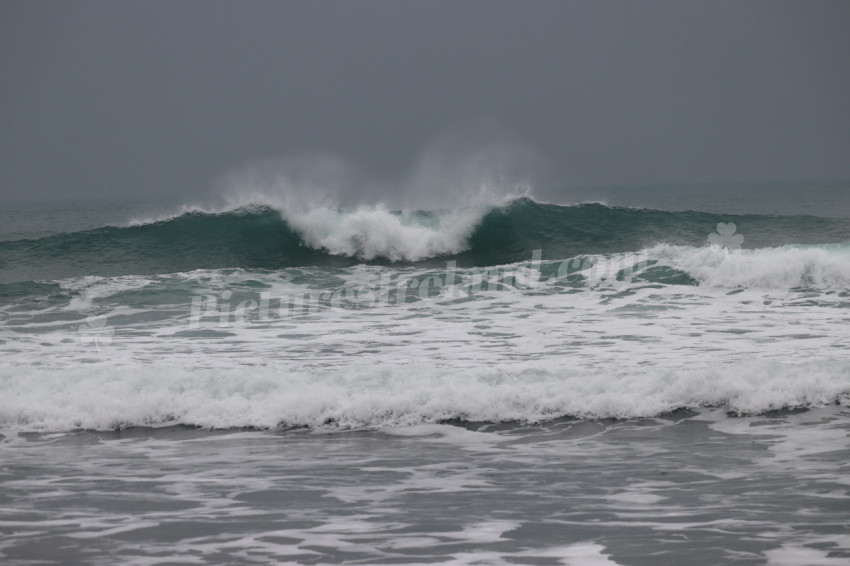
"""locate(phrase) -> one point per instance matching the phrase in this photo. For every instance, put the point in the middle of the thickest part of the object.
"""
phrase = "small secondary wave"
(106, 397)
(785, 267)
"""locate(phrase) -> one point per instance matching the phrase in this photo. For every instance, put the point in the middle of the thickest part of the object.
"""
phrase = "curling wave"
(262, 237)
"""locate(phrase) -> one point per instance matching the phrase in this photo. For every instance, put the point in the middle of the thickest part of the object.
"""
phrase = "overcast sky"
(165, 98)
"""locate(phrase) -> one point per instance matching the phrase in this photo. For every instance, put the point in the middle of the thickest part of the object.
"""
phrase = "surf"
(110, 396)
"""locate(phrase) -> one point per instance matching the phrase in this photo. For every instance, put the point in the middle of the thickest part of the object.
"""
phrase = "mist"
(472, 167)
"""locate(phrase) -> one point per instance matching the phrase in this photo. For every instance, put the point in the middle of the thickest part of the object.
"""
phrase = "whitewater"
(254, 316)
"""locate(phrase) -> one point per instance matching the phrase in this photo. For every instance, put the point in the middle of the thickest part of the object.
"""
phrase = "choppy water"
(456, 371)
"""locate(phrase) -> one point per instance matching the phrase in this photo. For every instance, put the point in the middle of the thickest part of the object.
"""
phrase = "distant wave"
(266, 238)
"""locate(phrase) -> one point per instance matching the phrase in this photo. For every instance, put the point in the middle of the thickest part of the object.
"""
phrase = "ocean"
(631, 376)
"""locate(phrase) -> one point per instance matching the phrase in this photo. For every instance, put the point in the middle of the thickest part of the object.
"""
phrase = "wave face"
(264, 238)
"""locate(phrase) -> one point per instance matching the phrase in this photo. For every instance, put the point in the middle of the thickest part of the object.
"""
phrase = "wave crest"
(370, 233)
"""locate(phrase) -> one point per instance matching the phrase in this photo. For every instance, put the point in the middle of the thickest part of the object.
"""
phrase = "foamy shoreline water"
(750, 490)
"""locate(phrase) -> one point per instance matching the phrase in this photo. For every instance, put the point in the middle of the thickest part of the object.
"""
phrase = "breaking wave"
(263, 237)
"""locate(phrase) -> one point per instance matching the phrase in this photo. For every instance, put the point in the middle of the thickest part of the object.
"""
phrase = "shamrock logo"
(95, 331)
(726, 237)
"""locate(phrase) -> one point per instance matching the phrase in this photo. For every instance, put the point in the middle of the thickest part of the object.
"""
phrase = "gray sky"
(165, 98)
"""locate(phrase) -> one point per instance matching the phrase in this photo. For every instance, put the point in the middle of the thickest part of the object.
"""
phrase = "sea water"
(652, 375)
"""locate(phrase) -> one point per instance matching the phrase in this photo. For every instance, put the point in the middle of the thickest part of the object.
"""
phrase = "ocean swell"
(261, 237)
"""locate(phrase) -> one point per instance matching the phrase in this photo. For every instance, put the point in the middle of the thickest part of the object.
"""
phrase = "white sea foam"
(102, 396)
(798, 555)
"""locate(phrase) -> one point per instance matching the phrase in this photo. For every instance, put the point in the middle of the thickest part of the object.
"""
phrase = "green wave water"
(261, 237)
